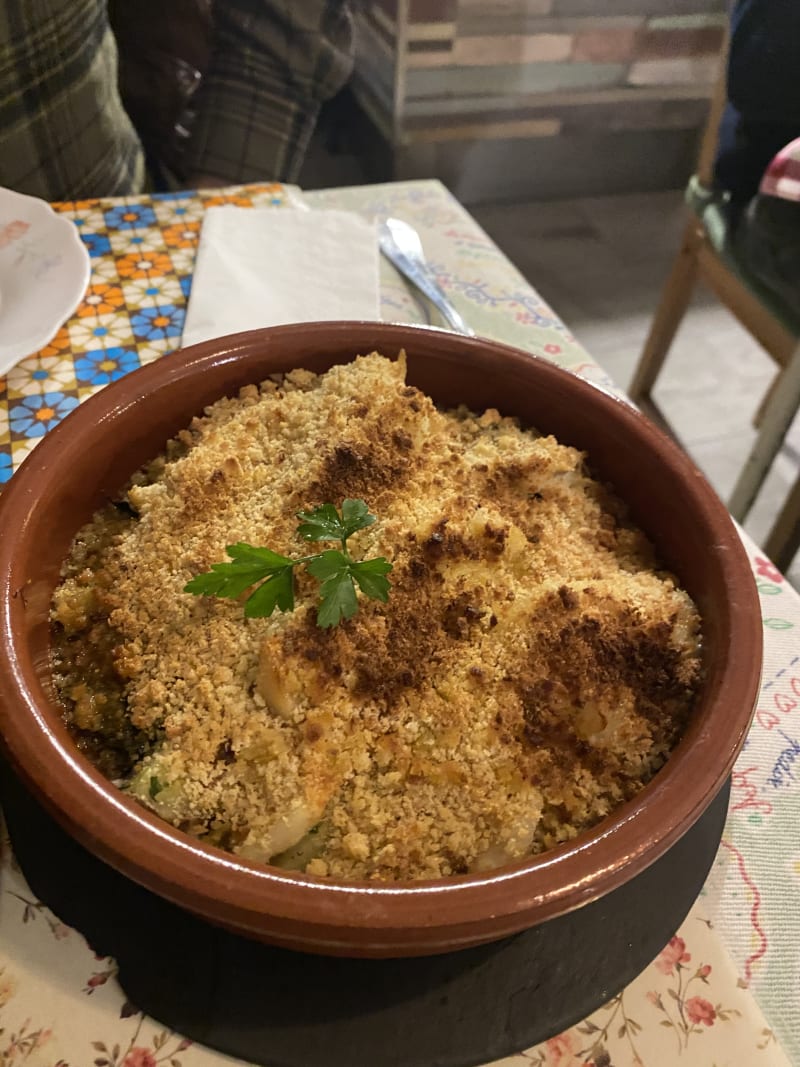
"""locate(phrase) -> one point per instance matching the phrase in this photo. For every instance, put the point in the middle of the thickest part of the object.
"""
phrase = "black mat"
(287, 1009)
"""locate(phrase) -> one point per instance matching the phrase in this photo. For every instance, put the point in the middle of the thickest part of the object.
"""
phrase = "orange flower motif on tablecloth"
(144, 265)
(128, 217)
(60, 344)
(265, 187)
(237, 201)
(101, 299)
(182, 235)
(75, 205)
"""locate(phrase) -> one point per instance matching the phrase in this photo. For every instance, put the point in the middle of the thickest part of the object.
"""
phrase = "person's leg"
(768, 242)
(63, 131)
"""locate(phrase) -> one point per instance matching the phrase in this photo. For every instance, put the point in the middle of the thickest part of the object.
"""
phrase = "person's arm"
(63, 132)
(274, 63)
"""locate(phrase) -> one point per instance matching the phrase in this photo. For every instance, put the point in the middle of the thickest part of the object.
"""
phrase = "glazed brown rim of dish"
(240, 893)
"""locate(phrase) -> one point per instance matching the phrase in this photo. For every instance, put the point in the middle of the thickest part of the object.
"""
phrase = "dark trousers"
(763, 112)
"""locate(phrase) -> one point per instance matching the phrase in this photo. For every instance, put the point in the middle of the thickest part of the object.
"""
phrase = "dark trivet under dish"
(287, 1009)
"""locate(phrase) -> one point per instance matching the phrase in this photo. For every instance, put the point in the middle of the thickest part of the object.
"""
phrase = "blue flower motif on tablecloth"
(186, 284)
(5, 467)
(178, 194)
(158, 323)
(104, 365)
(128, 216)
(97, 243)
(35, 415)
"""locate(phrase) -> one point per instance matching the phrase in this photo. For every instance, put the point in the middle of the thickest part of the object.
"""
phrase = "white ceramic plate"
(44, 271)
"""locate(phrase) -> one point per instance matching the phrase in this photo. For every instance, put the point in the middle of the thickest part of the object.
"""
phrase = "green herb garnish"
(272, 574)
(155, 787)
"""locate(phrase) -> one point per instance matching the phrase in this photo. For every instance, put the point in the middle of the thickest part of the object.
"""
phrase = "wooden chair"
(705, 253)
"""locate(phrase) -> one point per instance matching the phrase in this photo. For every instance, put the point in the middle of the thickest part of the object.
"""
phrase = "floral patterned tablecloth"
(723, 993)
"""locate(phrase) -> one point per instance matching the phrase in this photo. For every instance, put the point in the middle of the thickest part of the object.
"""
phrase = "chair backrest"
(708, 145)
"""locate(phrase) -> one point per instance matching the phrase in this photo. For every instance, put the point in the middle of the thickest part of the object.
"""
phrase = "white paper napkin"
(266, 266)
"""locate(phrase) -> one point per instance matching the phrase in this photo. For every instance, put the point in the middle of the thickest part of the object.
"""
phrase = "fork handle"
(418, 274)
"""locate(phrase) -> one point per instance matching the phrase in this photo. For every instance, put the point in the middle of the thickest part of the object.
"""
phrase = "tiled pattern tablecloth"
(724, 992)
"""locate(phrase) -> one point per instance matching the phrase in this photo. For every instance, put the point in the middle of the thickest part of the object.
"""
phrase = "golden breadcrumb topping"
(531, 670)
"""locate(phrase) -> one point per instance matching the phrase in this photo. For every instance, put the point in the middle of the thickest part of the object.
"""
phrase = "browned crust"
(531, 670)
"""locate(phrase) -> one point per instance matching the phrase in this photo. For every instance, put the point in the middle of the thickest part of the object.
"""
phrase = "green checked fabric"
(64, 132)
(273, 65)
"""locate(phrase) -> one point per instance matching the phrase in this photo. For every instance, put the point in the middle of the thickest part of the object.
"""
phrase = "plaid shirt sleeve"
(274, 63)
(63, 131)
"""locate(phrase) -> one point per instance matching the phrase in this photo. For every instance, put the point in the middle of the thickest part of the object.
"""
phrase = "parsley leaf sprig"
(272, 574)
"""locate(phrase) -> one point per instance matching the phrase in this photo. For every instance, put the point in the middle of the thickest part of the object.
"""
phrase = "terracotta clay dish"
(455, 1009)
(88, 457)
